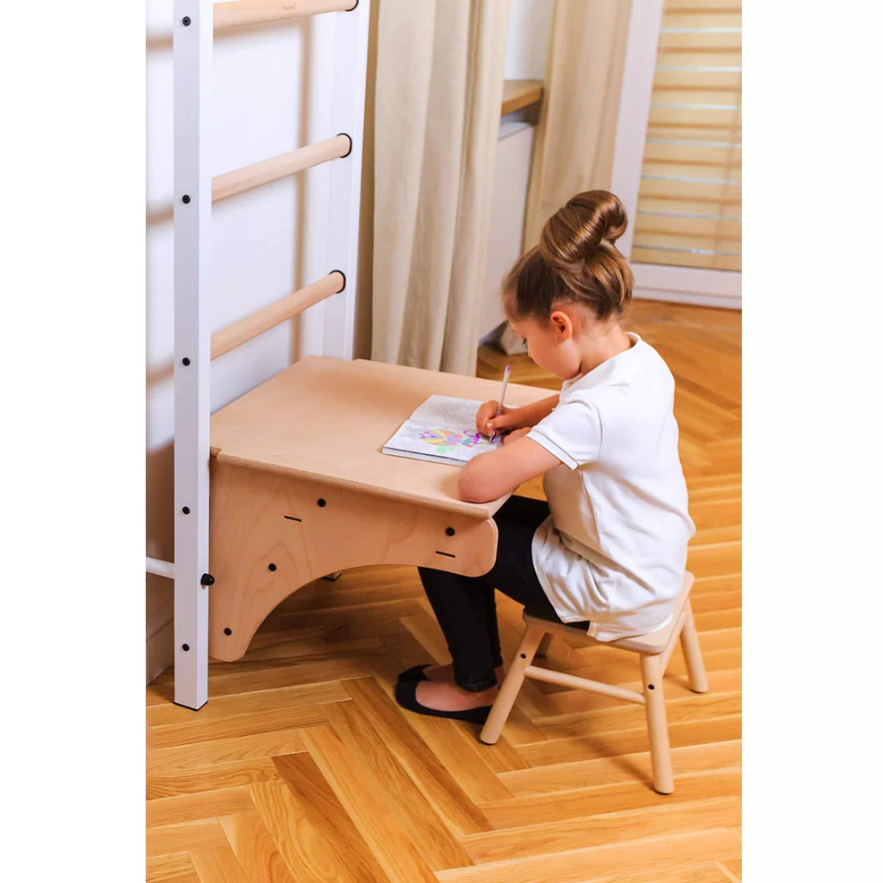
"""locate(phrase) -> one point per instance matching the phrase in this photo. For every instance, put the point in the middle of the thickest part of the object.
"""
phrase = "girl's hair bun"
(577, 230)
(576, 260)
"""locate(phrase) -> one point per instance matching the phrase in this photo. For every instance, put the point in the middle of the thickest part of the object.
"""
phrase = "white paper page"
(448, 412)
(443, 428)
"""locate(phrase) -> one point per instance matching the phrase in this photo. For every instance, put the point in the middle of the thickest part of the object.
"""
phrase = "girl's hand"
(487, 423)
(515, 435)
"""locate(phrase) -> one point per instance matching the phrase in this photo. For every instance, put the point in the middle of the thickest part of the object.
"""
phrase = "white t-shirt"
(614, 549)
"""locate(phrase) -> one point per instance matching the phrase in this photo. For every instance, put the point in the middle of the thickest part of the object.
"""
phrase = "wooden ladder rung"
(242, 13)
(238, 181)
(269, 317)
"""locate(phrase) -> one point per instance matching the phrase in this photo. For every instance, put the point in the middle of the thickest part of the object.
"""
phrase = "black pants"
(465, 606)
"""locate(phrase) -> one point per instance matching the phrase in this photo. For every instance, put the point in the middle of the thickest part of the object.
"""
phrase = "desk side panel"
(307, 529)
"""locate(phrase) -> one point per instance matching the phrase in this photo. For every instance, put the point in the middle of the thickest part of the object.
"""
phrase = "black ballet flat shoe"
(414, 673)
(406, 696)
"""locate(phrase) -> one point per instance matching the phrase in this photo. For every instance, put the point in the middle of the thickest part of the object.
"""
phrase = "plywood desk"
(300, 488)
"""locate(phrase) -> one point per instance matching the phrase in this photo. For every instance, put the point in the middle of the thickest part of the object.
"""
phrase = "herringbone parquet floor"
(302, 768)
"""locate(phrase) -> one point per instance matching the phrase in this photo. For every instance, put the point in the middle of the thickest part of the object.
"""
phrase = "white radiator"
(507, 215)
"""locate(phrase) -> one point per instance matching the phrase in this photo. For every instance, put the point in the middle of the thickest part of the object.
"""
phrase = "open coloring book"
(441, 430)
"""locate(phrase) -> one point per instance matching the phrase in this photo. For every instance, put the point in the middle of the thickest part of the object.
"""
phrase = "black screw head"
(272, 567)
(228, 631)
(186, 510)
(450, 531)
(320, 502)
(185, 199)
(185, 361)
(523, 656)
(650, 687)
(207, 579)
(186, 21)
(185, 647)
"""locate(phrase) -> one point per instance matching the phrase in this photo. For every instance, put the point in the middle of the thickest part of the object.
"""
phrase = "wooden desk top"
(328, 419)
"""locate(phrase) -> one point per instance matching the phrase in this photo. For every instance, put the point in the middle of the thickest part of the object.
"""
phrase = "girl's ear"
(562, 323)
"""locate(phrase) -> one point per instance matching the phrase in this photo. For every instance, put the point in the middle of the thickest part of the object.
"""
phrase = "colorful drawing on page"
(446, 440)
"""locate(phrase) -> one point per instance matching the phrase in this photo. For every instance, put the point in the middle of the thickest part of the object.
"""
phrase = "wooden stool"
(654, 649)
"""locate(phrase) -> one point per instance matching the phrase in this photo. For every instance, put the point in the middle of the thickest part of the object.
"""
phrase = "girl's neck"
(603, 345)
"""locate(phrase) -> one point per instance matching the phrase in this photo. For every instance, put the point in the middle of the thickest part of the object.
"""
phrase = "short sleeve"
(572, 432)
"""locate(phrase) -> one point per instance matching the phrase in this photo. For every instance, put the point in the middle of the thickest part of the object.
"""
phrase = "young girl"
(608, 551)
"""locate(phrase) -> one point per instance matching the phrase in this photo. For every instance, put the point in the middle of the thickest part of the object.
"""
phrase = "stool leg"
(657, 727)
(511, 685)
(692, 654)
(543, 649)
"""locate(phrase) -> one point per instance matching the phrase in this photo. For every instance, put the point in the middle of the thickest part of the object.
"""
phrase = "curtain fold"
(577, 129)
(439, 85)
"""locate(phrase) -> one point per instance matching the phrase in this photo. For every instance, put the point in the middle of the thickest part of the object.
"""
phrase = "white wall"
(527, 51)
(511, 176)
(271, 89)
(527, 41)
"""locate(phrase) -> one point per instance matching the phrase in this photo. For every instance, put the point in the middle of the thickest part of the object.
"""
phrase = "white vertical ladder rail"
(348, 108)
(193, 26)
(192, 39)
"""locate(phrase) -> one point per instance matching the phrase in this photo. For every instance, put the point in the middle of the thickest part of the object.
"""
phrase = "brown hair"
(575, 261)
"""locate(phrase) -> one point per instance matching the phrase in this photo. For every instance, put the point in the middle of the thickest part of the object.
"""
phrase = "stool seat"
(650, 644)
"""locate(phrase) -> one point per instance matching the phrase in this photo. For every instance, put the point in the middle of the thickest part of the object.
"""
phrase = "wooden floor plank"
(255, 849)
(193, 807)
(610, 861)
(450, 801)
(176, 868)
(635, 794)
(319, 804)
(366, 804)
(309, 854)
(238, 704)
(687, 709)
(603, 744)
(218, 865)
(174, 782)
(247, 676)
(578, 774)
(709, 872)
(184, 838)
(414, 815)
(569, 703)
(221, 751)
(456, 745)
(282, 717)
(599, 829)
(733, 870)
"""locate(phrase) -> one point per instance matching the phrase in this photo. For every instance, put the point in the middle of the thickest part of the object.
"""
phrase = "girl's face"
(552, 346)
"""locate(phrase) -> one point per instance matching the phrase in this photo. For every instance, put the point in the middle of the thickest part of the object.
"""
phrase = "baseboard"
(688, 285)
(725, 301)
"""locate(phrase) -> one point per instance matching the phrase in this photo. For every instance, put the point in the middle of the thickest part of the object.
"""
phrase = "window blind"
(690, 197)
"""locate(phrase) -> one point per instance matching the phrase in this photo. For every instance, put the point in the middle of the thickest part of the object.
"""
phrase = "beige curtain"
(439, 82)
(577, 129)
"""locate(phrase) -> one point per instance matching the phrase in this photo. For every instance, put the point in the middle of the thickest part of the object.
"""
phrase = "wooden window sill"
(518, 94)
